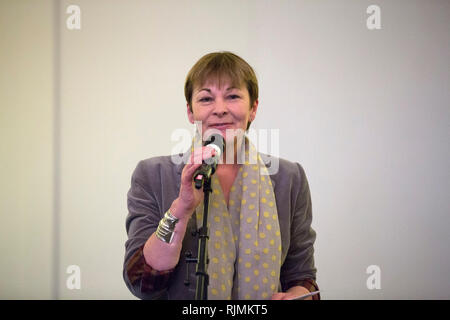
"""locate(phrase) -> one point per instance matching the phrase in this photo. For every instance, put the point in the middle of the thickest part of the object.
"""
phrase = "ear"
(190, 114)
(253, 110)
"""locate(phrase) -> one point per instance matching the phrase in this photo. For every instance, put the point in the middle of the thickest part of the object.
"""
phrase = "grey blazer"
(155, 185)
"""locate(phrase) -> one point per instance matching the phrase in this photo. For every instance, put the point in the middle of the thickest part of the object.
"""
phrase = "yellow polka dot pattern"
(243, 241)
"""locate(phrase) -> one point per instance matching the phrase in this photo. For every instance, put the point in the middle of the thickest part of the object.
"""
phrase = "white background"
(365, 112)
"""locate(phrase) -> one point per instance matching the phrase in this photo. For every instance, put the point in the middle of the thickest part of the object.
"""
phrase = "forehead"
(214, 84)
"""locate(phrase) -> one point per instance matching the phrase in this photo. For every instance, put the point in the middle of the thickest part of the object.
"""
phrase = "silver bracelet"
(166, 227)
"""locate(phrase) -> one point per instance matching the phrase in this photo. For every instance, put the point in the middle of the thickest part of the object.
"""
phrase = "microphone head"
(216, 141)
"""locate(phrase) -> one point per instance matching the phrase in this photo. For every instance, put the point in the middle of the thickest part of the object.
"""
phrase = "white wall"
(26, 150)
(365, 112)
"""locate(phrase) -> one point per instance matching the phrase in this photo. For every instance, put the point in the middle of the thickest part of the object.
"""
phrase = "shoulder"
(155, 168)
(164, 162)
(288, 179)
(282, 170)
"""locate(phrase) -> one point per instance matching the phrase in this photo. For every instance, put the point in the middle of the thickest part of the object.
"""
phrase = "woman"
(260, 237)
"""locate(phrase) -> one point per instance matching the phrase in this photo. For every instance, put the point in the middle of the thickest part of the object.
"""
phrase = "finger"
(200, 154)
(188, 173)
(196, 158)
(205, 152)
(193, 159)
(278, 296)
(209, 152)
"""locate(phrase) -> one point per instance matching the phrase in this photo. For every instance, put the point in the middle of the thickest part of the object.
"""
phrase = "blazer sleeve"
(299, 263)
(141, 222)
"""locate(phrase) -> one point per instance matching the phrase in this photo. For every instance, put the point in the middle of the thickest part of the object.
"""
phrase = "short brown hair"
(221, 66)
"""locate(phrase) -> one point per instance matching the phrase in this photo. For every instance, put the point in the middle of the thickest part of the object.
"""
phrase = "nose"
(220, 108)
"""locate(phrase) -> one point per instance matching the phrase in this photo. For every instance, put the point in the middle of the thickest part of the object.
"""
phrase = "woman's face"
(221, 108)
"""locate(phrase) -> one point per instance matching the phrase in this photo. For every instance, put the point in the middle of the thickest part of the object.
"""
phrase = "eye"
(233, 96)
(205, 99)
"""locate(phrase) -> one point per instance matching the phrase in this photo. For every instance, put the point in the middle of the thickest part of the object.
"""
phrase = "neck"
(236, 146)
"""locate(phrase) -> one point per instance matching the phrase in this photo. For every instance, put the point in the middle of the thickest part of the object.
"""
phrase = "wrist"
(179, 210)
(298, 290)
(166, 227)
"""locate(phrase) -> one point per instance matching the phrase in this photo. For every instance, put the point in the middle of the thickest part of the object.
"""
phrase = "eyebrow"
(209, 90)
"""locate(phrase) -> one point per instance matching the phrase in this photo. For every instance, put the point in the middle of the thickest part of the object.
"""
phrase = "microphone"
(208, 167)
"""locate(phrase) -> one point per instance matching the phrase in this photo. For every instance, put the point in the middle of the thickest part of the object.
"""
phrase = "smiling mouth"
(220, 125)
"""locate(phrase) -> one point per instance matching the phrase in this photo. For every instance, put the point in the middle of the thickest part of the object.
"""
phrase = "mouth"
(224, 125)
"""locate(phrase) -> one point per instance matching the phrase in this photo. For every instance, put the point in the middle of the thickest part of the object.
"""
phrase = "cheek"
(199, 114)
(243, 115)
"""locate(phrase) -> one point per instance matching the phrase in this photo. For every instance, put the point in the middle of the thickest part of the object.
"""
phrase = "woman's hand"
(292, 293)
(189, 197)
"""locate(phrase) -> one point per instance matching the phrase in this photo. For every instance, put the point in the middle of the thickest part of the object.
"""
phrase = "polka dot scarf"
(244, 246)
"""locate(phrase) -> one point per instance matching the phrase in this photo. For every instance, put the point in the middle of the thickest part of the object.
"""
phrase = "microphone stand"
(202, 177)
(201, 292)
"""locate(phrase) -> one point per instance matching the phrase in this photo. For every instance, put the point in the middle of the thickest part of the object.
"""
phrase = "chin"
(233, 134)
(228, 133)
